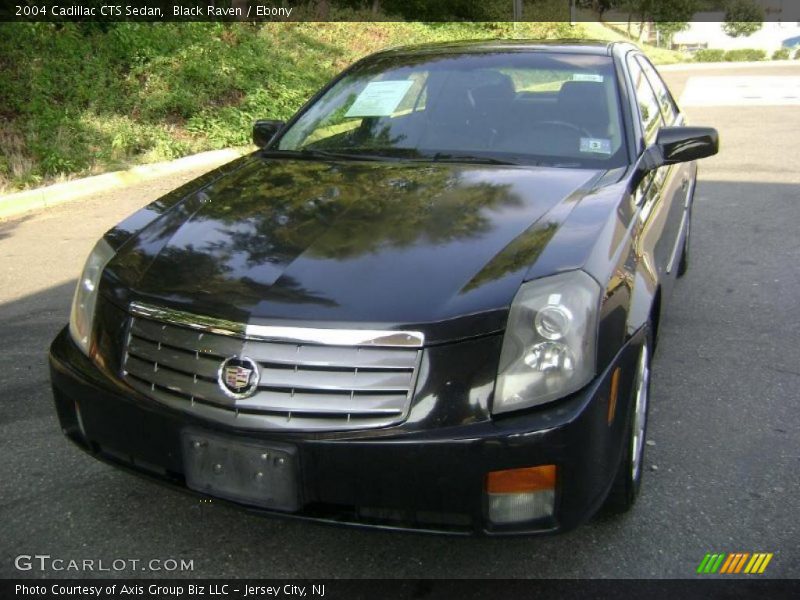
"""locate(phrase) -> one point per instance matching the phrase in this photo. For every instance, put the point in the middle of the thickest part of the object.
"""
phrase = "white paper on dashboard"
(379, 98)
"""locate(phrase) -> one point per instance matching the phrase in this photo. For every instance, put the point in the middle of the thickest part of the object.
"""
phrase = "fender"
(645, 297)
(625, 269)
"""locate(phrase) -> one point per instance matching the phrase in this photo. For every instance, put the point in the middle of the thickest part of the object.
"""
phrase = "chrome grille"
(310, 379)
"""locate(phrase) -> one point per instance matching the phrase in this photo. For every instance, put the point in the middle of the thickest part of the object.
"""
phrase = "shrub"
(745, 54)
(781, 54)
(709, 55)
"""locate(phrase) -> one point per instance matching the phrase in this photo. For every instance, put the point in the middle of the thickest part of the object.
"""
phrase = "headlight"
(85, 299)
(550, 342)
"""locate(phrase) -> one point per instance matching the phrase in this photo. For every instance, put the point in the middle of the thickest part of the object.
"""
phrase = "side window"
(647, 101)
(668, 108)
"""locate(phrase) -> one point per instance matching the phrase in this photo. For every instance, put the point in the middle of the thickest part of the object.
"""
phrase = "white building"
(706, 32)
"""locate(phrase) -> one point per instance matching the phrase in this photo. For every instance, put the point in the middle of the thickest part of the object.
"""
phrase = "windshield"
(555, 109)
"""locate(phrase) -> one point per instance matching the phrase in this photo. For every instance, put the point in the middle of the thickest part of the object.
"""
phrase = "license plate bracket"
(243, 470)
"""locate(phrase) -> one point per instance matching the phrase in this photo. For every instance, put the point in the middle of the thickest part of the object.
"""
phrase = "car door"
(648, 193)
(676, 181)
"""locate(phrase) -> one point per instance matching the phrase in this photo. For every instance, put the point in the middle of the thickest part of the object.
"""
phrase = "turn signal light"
(517, 481)
(518, 495)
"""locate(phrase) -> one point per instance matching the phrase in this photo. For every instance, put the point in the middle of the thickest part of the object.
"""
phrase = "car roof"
(572, 46)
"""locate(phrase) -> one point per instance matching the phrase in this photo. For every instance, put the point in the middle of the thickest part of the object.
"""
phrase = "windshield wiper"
(316, 153)
(324, 154)
(396, 155)
(469, 158)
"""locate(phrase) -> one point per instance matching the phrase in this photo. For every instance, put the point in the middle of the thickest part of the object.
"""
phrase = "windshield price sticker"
(379, 99)
(587, 77)
(596, 145)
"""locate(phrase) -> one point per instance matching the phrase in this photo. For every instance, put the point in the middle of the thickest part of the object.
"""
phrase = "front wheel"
(628, 480)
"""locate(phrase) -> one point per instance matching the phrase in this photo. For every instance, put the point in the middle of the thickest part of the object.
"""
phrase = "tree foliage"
(743, 18)
(598, 7)
(674, 14)
(669, 16)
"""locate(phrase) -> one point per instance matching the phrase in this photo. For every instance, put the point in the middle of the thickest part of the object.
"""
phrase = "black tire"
(683, 265)
(628, 479)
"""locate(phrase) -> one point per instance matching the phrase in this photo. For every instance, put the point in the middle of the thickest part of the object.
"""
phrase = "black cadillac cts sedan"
(430, 300)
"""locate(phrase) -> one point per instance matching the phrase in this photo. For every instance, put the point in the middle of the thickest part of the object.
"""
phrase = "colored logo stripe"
(710, 563)
(734, 562)
(758, 563)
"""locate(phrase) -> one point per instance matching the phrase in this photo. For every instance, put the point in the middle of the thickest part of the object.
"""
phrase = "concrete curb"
(22, 202)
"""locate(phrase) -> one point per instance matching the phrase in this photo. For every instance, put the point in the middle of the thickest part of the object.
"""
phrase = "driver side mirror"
(264, 130)
(681, 144)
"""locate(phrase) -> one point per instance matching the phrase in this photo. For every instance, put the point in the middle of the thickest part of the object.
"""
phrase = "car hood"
(437, 247)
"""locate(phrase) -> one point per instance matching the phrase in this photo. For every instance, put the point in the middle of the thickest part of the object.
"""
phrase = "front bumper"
(397, 477)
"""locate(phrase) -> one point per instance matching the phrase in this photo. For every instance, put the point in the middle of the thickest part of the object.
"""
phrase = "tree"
(670, 16)
(598, 7)
(668, 29)
(743, 18)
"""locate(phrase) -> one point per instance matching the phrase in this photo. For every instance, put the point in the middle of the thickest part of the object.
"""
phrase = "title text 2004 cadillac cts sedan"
(430, 300)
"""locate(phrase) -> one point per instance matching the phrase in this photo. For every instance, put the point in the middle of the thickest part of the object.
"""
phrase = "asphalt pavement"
(722, 473)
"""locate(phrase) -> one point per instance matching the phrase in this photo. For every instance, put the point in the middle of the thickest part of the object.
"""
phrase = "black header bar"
(384, 10)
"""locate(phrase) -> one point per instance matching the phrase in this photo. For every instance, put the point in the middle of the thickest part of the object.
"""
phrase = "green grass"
(80, 99)
(660, 56)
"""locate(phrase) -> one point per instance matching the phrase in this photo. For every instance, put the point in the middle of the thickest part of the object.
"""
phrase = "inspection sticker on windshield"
(379, 99)
(596, 145)
(587, 77)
